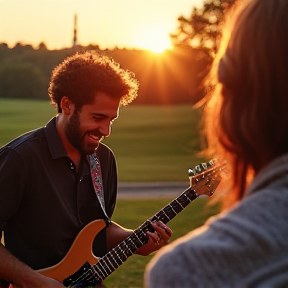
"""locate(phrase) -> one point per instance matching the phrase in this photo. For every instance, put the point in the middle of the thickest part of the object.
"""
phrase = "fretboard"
(118, 255)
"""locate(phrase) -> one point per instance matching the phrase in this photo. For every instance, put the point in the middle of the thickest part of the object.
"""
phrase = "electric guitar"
(81, 267)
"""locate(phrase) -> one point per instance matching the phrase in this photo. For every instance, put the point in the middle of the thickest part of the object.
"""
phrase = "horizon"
(106, 23)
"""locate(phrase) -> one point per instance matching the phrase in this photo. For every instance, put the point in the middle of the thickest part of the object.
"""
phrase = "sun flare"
(155, 39)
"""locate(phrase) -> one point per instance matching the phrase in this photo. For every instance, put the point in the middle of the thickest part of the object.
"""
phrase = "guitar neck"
(118, 255)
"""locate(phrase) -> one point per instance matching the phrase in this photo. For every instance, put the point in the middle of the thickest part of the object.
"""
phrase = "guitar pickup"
(86, 270)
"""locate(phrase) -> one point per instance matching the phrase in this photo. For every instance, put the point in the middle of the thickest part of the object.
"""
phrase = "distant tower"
(75, 31)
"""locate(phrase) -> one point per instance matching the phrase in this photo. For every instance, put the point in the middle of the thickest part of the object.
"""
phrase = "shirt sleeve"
(12, 183)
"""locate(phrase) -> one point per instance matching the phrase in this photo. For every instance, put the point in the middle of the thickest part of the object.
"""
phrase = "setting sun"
(155, 39)
(130, 24)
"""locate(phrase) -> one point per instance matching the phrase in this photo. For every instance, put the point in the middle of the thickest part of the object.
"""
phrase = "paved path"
(151, 189)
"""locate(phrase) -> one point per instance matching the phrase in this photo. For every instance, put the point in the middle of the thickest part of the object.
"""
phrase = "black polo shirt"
(44, 202)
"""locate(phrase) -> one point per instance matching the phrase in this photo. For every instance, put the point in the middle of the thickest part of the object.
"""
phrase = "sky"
(142, 24)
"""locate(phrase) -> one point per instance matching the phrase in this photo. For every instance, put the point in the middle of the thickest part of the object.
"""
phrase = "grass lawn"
(151, 143)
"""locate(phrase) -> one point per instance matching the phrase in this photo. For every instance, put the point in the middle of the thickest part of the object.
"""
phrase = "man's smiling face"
(87, 127)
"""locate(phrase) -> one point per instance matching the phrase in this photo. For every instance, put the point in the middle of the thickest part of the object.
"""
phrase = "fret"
(131, 244)
(167, 217)
(177, 207)
(187, 197)
(122, 255)
(118, 256)
(100, 269)
(179, 203)
(103, 270)
(139, 240)
(106, 266)
(109, 264)
(131, 248)
(162, 216)
(123, 252)
(96, 272)
(173, 209)
(128, 248)
(112, 260)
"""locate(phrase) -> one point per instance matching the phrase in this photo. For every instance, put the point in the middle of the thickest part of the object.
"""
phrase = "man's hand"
(157, 239)
(21, 275)
(44, 283)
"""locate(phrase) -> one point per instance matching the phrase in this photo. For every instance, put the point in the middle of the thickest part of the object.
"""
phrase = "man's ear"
(66, 105)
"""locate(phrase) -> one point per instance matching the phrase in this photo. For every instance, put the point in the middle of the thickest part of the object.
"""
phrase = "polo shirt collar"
(56, 147)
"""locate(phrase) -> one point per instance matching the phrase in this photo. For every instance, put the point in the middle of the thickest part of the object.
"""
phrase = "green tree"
(42, 46)
(203, 28)
(22, 80)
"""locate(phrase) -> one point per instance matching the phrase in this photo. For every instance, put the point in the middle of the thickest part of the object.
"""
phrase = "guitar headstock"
(204, 178)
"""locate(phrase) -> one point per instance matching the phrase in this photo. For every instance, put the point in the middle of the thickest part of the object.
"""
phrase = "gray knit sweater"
(245, 247)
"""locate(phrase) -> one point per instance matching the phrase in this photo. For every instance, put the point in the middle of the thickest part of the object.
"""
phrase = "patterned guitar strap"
(96, 175)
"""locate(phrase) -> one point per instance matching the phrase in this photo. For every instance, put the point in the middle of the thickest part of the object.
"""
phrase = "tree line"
(172, 77)
(167, 78)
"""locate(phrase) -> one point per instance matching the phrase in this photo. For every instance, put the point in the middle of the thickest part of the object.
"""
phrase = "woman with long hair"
(246, 124)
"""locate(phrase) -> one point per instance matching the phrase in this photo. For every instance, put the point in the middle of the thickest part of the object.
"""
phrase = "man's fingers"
(155, 236)
(162, 233)
(163, 229)
(166, 229)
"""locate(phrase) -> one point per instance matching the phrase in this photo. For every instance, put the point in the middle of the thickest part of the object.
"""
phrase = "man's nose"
(105, 129)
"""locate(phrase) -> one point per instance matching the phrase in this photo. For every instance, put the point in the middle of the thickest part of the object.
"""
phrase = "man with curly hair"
(57, 179)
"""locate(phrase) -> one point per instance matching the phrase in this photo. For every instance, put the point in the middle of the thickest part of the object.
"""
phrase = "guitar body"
(79, 253)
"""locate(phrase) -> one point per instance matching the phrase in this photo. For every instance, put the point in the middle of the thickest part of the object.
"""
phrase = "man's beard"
(73, 134)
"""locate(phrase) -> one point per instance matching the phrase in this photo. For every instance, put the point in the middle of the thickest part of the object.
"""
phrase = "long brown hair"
(245, 119)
